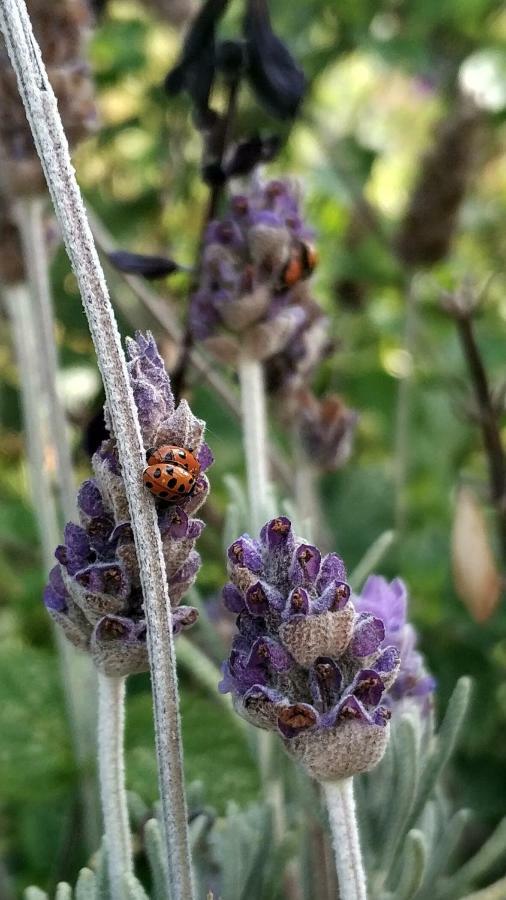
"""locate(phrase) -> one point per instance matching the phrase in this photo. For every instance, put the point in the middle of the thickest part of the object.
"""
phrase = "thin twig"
(219, 149)
(42, 113)
(403, 411)
(489, 423)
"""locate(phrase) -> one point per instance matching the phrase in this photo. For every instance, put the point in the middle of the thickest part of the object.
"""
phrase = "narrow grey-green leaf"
(443, 746)
(35, 893)
(86, 887)
(157, 863)
(414, 857)
(63, 891)
(133, 888)
(488, 856)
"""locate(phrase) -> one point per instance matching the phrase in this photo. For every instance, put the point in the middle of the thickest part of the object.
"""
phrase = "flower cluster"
(306, 663)
(94, 592)
(388, 601)
(326, 426)
(243, 303)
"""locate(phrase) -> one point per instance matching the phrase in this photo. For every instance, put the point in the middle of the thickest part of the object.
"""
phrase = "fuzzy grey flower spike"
(94, 592)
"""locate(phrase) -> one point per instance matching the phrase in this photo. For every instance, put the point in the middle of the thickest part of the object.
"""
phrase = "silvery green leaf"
(133, 889)
(86, 887)
(414, 858)
(476, 869)
(63, 891)
(34, 893)
(443, 745)
(371, 559)
(157, 861)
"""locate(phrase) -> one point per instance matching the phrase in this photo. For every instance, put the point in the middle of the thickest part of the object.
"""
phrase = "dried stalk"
(42, 113)
(488, 420)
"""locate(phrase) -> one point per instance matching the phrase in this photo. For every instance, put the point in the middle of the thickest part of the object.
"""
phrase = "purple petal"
(233, 599)
(104, 578)
(381, 715)
(367, 635)
(250, 627)
(245, 552)
(77, 544)
(334, 597)
(205, 457)
(332, 569)
(388, 660)
(325, 679)
(89, 499)
(387, 601)
(54, 600)
(261, 599)
(351, 708)
(298, 603)
(277, 533)
(267, 652)
(305, 565)
(367, 687)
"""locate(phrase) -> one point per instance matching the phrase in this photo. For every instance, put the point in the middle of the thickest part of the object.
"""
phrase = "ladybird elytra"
(301, 264)
(168, 482)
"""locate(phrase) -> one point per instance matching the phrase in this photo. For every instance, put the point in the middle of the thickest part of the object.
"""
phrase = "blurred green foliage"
(381, 75)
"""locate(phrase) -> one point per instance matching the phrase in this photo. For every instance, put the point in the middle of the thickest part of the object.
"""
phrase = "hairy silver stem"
(42, 112)
(345, 838)
(254, 426)
(111, 767)
(29, 213)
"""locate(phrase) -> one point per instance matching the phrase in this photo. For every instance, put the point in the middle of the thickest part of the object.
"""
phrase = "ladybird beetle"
(171, 472)
(301, 264)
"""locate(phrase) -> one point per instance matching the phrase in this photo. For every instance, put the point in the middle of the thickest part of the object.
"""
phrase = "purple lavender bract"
(388, 601)
(241, 303)
(305, 662)
(94, 592)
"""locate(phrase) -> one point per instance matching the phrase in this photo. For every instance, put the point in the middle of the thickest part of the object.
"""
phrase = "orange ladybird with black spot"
(301, 264)
(171, 472)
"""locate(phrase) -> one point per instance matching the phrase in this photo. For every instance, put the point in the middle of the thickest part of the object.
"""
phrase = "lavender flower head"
(306, 663)
(242, 303)
(94, 592)
(388, 601)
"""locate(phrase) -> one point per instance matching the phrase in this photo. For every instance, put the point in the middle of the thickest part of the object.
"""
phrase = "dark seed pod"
(430, 220)
(250, 153)
(150, 267)
(274, 75)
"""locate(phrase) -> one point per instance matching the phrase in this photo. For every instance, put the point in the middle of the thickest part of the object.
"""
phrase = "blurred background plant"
(405, 187)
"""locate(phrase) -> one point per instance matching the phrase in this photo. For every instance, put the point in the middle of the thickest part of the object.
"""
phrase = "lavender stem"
(42, 113)
(29, 213)
(77, 674)
(111, 766)
(254, 423)
(345, 838)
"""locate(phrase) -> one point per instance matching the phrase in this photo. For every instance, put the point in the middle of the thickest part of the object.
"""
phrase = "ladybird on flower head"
(171, 472)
